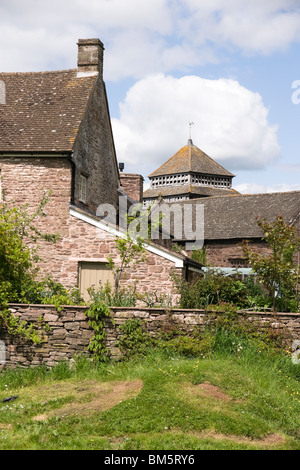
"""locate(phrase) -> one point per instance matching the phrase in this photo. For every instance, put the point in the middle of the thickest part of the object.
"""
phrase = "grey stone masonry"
(67, 333)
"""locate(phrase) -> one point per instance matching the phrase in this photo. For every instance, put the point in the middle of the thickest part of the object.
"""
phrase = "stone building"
(55, 135)
(188, 174)
(191, 178)
(229, 220)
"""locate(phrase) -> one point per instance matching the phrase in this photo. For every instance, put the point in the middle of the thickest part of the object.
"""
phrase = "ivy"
(18, 265)
(135, 340)
(98, 315)
(15, 327)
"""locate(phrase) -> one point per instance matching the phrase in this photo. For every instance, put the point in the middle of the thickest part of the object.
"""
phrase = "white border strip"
(179, 263)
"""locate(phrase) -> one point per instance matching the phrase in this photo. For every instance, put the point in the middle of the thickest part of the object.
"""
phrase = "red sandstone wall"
(132, 185)
(219, 253)
(24, 182)
(86, 243)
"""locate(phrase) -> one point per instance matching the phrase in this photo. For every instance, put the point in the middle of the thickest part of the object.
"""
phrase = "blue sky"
(228, 66)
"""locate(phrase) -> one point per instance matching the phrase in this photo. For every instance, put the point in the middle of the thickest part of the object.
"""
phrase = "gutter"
(41, 154)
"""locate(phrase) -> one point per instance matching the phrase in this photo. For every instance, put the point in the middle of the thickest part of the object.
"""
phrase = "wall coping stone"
(156, 310)
(70, 333)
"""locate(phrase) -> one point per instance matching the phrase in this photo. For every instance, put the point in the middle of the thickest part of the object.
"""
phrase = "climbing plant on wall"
(18, 262)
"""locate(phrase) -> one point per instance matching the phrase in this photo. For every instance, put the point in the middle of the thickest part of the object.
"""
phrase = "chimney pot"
(90, 57)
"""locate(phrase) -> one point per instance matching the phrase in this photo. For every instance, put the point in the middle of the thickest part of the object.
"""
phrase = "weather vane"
(190, 139)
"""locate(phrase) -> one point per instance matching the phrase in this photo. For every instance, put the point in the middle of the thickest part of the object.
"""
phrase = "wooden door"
(93, 274)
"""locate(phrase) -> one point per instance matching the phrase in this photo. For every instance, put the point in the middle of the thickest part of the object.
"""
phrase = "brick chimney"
(90, 57)
(132, 185)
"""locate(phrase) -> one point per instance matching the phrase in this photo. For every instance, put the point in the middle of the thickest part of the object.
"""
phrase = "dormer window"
(82, 188)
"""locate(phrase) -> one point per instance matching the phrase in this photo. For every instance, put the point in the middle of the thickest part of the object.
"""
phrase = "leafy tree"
(200, 256)
(131, 252)
(131, 247)
(277, 271)
(18, 251)
(18, 264)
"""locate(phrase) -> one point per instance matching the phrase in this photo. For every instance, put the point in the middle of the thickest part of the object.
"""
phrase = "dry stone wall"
(68, 334)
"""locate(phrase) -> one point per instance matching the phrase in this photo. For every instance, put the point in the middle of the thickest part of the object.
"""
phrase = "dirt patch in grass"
(209, 397)
(272, 440)
(211, 391)
(194, 439)
(91, 397)
(208, 392)
(5, 426)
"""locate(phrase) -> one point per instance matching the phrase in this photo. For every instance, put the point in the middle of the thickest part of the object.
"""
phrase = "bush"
(135, 340)
(54, 293)
(104, 294)
(191, 345)
(18, 268)
(211, 288)
(229, 332)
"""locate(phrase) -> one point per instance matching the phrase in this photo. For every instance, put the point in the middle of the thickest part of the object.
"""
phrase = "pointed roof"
(190, 159)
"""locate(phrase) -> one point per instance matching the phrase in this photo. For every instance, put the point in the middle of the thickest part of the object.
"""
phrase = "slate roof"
(235, 217)
(188, 189)
(190, 159)
(43, 110)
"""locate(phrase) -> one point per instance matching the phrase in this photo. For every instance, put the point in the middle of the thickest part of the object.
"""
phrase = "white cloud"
(254, 26)
(231, 123)
(254, 188)
(142, 37)
(38, 35)
(108, 15)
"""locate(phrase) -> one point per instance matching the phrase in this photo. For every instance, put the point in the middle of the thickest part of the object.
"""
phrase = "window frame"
(83, 188)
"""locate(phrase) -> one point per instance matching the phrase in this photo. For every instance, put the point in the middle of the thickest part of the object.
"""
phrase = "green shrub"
(104, 294)
(228, 332)
(54, 293)
(189, 345)
(135, 340)
(18, 268)
(277, 271)
(211, 288)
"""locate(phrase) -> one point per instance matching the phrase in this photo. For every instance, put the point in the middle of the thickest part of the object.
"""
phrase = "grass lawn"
(246, 400)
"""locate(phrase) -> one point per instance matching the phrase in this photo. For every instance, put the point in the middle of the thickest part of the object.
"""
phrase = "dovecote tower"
(189, 174)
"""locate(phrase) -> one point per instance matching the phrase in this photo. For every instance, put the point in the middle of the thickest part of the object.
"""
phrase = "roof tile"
(235, 217)
(200, 191)
(190, 159)
(43, 110)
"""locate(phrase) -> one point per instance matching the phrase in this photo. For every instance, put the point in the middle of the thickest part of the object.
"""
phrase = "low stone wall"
(67, 333)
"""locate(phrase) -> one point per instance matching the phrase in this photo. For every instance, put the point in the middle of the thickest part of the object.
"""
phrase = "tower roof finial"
(190, 142)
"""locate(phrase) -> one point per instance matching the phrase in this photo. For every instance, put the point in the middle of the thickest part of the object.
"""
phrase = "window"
(238, 262)
(82, 188)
